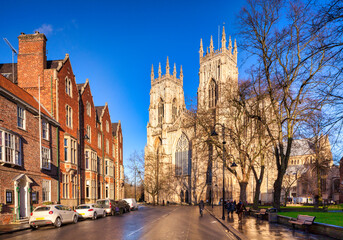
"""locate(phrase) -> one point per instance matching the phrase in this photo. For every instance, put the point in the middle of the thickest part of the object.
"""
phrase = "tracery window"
(182, 157)
(212, 94)
(174, 109)
(160, 111)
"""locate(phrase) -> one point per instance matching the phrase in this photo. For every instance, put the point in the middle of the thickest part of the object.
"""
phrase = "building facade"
(28, 153)
(180, 164)
(81, 151)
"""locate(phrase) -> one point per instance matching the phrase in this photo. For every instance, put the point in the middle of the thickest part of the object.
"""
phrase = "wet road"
(173, 222)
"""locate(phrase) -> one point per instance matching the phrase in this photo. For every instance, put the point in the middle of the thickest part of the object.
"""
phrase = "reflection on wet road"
(172, 222)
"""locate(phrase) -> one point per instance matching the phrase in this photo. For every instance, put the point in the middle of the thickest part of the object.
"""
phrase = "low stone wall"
(6, 218)
(316, 228)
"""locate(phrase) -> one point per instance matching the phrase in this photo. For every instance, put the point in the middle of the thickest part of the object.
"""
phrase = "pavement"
(148, 223)
(254, 228)
(11, 228)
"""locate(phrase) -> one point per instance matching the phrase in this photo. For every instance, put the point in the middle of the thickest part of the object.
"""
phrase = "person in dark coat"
(240, 209)
(201, 206)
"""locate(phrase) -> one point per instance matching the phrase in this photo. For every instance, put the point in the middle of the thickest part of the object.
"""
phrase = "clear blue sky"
(114, 43)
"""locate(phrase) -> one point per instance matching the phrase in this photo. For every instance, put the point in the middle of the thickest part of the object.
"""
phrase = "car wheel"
(104, 214)
(75, 219)
(34, 227)
(95, 216)
(58, 222)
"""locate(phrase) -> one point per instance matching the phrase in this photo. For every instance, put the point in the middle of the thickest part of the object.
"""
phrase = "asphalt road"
(172, 222)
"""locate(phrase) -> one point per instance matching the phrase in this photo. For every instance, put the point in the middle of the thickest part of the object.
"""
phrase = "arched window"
(182, 157)
(160, 111)
(212, 94)
(174, 109)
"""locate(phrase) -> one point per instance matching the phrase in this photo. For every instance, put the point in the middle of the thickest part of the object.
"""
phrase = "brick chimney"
(31, 59)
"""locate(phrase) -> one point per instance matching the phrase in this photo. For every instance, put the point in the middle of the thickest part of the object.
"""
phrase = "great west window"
(182, 157)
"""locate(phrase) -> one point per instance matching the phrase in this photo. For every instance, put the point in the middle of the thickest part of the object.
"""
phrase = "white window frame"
(106, 167)
(107, 147)
(113, 151)
(46, 183)
(69, 116)
(66, 149)
(10, 148)
(21, 118)
(88, 109)
(45, 128)
(88, 187)
(46, 158)
(99, 140)
(87, 158)
(73, 151)
(89, 133)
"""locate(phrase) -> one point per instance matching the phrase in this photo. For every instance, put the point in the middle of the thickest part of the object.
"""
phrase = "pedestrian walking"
(240, 209)
(201, 207)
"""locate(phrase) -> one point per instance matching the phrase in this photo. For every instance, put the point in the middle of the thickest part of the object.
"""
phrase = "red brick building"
(118, 165)
(28, 153)
(83, 140)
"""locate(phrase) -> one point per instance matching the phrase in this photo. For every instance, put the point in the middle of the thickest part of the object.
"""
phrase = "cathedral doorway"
(186, 197)
(182, 196)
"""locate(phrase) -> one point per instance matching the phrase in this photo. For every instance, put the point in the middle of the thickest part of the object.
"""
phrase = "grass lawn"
(335, 218)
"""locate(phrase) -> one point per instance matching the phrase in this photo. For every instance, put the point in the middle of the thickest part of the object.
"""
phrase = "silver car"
(52, 214)
(90, 211)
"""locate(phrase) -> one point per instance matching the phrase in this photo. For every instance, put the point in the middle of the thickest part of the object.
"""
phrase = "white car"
(52, 214)
(90, 211)
(132, 202)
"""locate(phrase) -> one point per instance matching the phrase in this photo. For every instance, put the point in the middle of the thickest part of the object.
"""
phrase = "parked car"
(125, 205)
(132, 202)
(121, 206)
(90, 211)
(109, 205)
(52, 214)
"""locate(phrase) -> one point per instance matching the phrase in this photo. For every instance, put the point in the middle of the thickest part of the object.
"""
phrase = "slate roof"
(302, 147)
(98, 111)
(80, 86)
(296, 169)
(114, 128)
(20, 93)
(7, 72)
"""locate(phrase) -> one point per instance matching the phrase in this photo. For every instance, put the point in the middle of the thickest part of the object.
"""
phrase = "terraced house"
(81, 144)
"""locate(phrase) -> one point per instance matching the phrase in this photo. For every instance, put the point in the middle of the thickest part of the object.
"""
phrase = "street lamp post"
(214, 133)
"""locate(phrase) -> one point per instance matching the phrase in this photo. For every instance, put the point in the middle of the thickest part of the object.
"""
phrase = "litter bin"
(272, 215)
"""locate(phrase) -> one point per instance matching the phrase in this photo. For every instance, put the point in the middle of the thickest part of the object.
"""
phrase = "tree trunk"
(277, 190)
(286, 197)
(319, 184)
(257, 194)
(243, 191)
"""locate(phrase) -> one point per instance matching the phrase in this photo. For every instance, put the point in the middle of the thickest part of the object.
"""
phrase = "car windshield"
(83, 207)
(42, 209)
(103, 203)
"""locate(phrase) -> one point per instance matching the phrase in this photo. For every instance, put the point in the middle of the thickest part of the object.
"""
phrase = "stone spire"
(159, 71)
(201, 50)
(152, 73)
(223, 40)
(230, 45)
(167, 67)
(235, 51)
(181, 74)
(211, 45)
(174, 72)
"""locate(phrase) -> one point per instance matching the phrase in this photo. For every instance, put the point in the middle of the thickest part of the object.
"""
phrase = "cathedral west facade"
(179, 166)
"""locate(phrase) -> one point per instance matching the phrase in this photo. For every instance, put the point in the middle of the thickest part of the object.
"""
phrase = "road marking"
(135, 231)
(163, 216)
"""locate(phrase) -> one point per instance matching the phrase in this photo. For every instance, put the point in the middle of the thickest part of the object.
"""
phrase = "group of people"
(239, 208)
(230, 206)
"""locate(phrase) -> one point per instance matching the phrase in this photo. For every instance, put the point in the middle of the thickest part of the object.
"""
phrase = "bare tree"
(281, 40)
